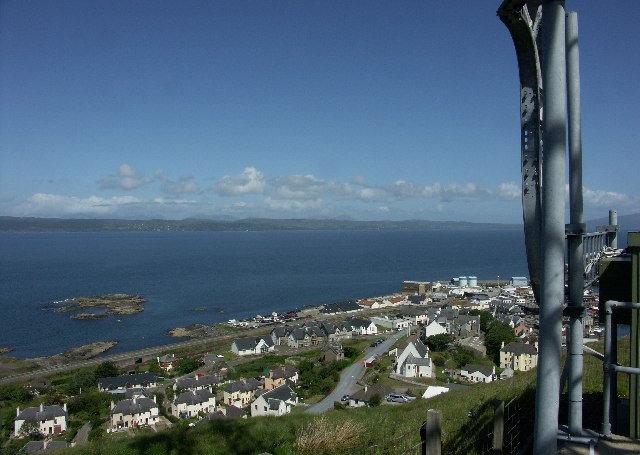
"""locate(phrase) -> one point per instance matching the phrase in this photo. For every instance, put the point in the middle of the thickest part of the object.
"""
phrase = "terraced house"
(49, 420)
(240, 393)
(133, 413)
(190, 403)
(519, 356)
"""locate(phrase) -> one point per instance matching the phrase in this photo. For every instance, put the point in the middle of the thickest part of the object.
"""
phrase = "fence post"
(498, 427)
(431, 433)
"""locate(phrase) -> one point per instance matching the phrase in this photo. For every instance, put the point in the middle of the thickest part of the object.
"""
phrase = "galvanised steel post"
(613, 221)
(554, 83)
(576, 228)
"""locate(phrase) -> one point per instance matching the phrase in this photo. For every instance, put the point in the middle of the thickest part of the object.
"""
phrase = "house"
(298, 338)
(431, 329)
(418, 315)
(133, 413)
(119, 384)
(478, 373)
(434, 390)
(393, 323)
(196, 383)
(349, 306)
(44, 446)
(279, 376)
(274, 402)
(167, 362)
(363, 396)
(240, 393)
(229, 412)
(369, 304)
(190, 403)
(279, 335)
(467, 325)
(519, 356)
(49, 420)
(395, 300)
(362, 326)
(414, 361)
(331, 352)
(252, 346)
(474, 344)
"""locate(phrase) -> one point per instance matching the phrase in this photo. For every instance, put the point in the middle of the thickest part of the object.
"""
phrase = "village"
(421, 342)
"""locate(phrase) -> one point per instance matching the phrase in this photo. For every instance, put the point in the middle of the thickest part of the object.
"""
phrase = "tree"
(497, 333)
(350, 352)
(463, 356)
(14, 393)
(375, 400)
(107, 370)
(30, 428)
(439, 342)
(186, 366)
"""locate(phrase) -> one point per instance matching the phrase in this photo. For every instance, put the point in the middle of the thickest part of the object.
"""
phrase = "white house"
(478, 373)
(275, 402)
(252, 346)
(414, 361)
(50, 420)
(362, 326)
(433, 328)
(133, 413)
(190, 403)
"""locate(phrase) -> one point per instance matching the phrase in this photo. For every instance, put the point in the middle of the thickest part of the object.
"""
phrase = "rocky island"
(111, 304)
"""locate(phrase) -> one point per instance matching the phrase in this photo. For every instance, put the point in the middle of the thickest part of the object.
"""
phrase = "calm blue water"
(241, 273)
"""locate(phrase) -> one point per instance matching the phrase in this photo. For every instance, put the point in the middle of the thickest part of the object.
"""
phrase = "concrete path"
(82, 436)
(351, 374)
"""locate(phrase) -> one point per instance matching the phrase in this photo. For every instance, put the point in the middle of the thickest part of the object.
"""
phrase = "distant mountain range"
(16, 224)
(626, 222)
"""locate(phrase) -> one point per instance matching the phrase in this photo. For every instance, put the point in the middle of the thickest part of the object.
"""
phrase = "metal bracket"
(575, 229)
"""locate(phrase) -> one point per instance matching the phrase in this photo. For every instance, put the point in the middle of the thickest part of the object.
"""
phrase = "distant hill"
(16, 224)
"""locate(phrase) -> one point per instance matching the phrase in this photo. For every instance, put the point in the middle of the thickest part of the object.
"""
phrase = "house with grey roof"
(279, 335)
(50, 420)
(478, 373)
(332, 352)
(133, 413)
(119, 384)
(252, 345)
(414, 361)
(196, 382)
(190, 403)
(519, 356)
(276, 402)
(362, 326)
(240, 393)
(363, 396)
(275, 377)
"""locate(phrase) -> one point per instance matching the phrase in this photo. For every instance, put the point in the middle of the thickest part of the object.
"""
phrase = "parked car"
(396, 398)
(345, 398)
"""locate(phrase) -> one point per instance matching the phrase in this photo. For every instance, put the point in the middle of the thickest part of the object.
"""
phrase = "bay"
(232, 274)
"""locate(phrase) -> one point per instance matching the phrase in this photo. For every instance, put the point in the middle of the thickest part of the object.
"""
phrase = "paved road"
(351, 374)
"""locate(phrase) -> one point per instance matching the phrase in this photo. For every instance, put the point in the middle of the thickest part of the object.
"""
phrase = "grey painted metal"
(554, 129)
(517, 16)
(613, 221)
(611, 367)
(575, 249)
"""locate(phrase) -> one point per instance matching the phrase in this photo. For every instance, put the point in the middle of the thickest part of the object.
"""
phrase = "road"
(351, 374)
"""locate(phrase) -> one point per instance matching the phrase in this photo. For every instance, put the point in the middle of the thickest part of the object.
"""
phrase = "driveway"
(351, 374)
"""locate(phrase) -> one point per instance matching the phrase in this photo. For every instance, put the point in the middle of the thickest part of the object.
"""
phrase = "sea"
(209, 277)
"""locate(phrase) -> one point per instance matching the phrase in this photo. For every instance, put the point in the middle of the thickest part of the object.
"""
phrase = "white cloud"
(185, 185)
(509, 190)
(609, 199)
(127, 178)
(251, 181)
(300, 187)
(294, 205)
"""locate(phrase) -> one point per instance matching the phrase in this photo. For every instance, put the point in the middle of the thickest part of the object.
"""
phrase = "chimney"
(64, 407)
(502, 345)
(17, 411)
(134, 399)
(365, 389)
(41, 407)
(112, 405)
(197, 377)
(155, 399)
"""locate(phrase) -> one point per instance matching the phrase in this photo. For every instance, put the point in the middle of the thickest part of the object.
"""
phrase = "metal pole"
(606, 387)
(613, 221)
(577, 228)
(553, 207)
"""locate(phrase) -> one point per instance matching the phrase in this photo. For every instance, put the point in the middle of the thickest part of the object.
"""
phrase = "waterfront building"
(252, 346)
(414, 361)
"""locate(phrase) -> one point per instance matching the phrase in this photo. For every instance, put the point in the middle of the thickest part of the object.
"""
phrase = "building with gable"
(252, 346)
(240, 393)
(133, 413)
(414, 361)
(119, 384)
(275, 402)
(519, 356)
(50, 420)
(279, 376)
(190, 403)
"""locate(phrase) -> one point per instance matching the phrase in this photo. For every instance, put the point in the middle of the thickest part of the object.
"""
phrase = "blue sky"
(361, 110)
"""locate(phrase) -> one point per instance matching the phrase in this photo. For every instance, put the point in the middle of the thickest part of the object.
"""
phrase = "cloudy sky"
(359, 109)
